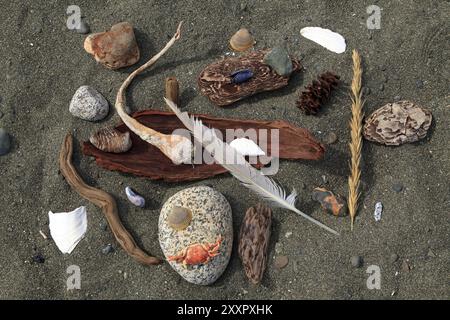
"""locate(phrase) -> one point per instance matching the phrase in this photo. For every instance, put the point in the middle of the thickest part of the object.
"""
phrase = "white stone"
(88, 104)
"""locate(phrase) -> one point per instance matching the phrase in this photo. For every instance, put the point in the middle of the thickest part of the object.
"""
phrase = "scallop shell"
(397, 123)
(68, 228)
(179, 218)
(242, 40)
(134, 198)
(111, 140)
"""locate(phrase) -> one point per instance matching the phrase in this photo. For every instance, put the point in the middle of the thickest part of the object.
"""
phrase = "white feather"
(331, 40)
(236, 164)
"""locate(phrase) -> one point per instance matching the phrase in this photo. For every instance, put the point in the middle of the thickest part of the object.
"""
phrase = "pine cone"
(317, 93)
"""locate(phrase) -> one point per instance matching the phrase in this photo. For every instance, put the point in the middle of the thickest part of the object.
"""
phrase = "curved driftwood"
(102, 200)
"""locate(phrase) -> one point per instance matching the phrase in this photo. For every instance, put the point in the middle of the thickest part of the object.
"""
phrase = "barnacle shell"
(179, 218)
(111, 140)
(397, 123)
(254, 240)
(242, 40)
(134, 198)
(334, 204)
(116, 48)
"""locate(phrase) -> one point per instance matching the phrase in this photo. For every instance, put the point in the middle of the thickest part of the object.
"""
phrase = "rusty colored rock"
(397, 123)
(334, 204)
(146, 160)
(116, 48)
(216, 83)
(254, 240)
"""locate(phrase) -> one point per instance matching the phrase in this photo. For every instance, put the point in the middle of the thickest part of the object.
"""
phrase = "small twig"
(102, 200)
(356, 137)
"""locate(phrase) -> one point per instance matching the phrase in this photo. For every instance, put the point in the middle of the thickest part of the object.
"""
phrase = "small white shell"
(326, 38)
(378, 211)
(68, 228)
(134, 198)
(246, 147)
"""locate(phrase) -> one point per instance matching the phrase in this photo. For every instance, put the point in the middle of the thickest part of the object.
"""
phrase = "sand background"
(43, 63)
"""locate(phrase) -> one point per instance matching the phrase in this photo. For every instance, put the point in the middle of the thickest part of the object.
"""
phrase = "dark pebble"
(366, 91)
(331, 138)
(393, 258)
(397, 187)
(38, 258)
(1, 114)
(356, 261)
(84, 28)
(104, 226)
(419, 84)
(324, 179)
(107, 249)
(5, 142)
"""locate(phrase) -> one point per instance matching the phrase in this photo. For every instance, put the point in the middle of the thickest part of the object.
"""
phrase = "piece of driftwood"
(146, 160)
(254, 240)
(102, 200)
(215, 81)
(172, 90)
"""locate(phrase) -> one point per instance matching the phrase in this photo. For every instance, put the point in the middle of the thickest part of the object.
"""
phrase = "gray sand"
(43, 63)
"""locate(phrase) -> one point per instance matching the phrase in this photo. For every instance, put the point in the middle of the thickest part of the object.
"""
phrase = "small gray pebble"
(324, 179)
(5, 142)
(104, 226)
(397, 187)
(397, 98)
(243, 6)
(331, 138)
(366, 91)
(107, 249)
(84, 28)
(419, 84)
(393, 258)
(431, 254)
(381, 88)
(356, 261)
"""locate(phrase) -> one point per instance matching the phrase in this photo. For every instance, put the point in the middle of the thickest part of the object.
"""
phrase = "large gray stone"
(211, 218)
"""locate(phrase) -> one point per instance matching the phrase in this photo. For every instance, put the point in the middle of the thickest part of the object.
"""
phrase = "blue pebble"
(240, 76)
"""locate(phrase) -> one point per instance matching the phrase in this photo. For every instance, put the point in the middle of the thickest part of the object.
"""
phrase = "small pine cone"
(317, 93)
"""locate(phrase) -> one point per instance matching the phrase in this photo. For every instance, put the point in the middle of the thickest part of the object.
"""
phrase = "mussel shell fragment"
(240, 76)
(111, 140)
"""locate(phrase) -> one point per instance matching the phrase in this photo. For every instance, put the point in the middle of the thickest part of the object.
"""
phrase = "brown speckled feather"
(215, 81)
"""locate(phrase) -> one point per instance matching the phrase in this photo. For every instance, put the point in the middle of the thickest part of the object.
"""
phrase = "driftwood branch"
(102, 200)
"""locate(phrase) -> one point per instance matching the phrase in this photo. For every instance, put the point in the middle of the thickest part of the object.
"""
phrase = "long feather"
(236, 164)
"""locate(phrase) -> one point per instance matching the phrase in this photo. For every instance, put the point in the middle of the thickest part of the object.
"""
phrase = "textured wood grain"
(146, 160)
(102, 200)
(254, 240)
(215, 81)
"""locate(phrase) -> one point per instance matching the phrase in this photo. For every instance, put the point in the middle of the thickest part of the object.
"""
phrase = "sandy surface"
(43, 64)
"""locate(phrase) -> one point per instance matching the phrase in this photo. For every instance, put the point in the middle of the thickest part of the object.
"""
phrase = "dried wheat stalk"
(356, 137)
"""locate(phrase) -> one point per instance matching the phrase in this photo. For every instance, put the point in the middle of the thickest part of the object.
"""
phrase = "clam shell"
(179, 218)
(242, 40)
(68, 228)
(134, 198)
(111, 140)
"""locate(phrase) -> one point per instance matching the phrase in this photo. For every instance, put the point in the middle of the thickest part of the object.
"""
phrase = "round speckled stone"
(88, 104)
(211, 218)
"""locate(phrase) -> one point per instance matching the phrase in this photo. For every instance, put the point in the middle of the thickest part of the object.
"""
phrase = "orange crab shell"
(197, 253)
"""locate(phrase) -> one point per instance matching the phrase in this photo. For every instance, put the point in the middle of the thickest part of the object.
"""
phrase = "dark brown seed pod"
(316, 93)
(254, 241)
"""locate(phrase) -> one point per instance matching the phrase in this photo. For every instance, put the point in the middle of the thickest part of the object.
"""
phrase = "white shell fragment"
(68, 228)
(246, 147)
(326, 38)
(378, 211)
(134, 198)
